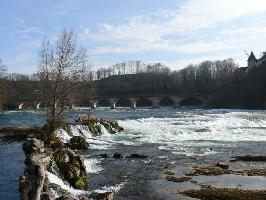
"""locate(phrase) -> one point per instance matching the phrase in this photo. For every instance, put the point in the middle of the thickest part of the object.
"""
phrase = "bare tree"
(3, 85)
(3, 69)
(62, 69)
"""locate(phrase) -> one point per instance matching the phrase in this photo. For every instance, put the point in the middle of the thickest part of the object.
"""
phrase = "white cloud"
(29, 30)
(149, 32)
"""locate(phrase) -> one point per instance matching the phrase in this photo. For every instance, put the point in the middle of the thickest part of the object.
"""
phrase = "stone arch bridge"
(133, 101)
(154, 100)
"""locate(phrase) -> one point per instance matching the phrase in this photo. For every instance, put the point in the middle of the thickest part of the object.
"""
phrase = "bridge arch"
(143, 102)
(23, 106)
(167, 101)
(103, 102)
(123, 102)
(191, 101)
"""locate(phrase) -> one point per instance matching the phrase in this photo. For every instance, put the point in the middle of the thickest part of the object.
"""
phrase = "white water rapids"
(181, 132)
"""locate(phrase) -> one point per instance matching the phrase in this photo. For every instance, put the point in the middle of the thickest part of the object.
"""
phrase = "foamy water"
(177, 130)
(186, 127)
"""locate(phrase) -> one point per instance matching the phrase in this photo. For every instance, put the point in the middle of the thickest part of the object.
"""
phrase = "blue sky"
(174, 32)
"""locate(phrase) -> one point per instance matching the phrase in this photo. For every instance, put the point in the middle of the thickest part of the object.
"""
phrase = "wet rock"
(67, 196)
(102, 196)
(169, 172)
(177, 179)
(53, 125)
(250, 158)
(78, 142)
(51, 140)
(116, 126)
(33, 145)
(104, 155)
(31, 183)
(255, 172)
(222, 165)
(208, 171)
(108, 126)
(71, 165)
(94, 125)
(19, 133)
(135, 155)
(117, 155)
(47, 196)
(38, 159)
(225, 194)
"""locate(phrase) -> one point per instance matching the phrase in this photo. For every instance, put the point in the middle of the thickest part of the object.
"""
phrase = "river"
(167, 136)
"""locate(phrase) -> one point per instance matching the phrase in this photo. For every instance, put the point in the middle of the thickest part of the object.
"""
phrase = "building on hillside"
(253, 62)
(262, 60)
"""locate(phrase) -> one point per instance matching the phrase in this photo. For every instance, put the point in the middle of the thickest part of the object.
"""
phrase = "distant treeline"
(206, 77)
(234, 87)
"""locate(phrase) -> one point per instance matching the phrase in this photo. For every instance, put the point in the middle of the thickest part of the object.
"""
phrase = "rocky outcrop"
(94, 125)
(40, 160)
(19, 133)
(32, 182)
(48, 154)
(71, 166)
(78, 142)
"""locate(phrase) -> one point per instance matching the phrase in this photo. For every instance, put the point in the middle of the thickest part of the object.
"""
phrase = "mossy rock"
(108, 126)
(81, 183)
(53, 125)
(11, 133)
(116, 126)
(94, 125)
(72, 167)
(51, 140)
(112, 126)
(78, 142)
(225, 194)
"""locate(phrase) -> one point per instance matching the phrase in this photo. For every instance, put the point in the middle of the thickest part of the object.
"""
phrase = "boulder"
(51, 140)
(33, 145)
(71, 165)
(135, 155)
(104, 155)
(47, 196)
(94, 125)
(117, 155)
(13, 133)
(67, 196)
(222, 165)
(78, 142)
(177, 179)
(102, 196)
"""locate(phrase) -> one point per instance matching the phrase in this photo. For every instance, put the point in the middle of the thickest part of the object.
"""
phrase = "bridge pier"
(93, 103)
(133, 103)
(155, 102)
(38, 106)
(113, 102)
(20, 106)
(73, 106)
(177, 101)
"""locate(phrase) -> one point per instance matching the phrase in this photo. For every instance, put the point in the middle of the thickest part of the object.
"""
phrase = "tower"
(252, 61)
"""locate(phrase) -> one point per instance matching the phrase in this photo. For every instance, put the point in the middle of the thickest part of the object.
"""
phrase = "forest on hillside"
(232, 86)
